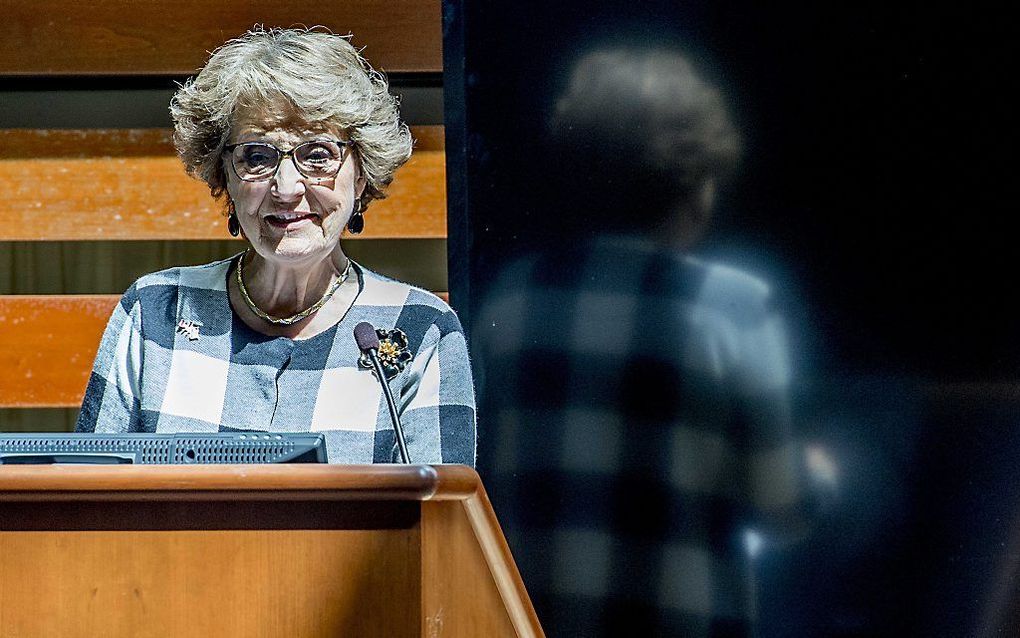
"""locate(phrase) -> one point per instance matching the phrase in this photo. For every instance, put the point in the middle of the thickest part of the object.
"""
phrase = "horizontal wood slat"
(129, 184)
(47, 346)
(173, 37)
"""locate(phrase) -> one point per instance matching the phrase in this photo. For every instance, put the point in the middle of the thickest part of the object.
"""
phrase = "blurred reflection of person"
(635, 398)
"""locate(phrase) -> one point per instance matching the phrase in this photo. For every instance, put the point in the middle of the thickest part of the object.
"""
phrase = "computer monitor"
(162, 449)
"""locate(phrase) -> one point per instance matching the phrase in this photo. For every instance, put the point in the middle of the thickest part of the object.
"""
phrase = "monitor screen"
(162, 449)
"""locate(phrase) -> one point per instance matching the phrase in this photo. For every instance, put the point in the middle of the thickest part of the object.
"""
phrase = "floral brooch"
(393, 353)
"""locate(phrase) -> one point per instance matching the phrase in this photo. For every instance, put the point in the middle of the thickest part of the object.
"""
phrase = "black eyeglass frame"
(344, 152)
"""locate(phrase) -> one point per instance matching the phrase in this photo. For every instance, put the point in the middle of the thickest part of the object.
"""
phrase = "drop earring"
(356, 223)
(233, 226)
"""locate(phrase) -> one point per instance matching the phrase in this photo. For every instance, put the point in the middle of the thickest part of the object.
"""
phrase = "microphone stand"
(373, 355)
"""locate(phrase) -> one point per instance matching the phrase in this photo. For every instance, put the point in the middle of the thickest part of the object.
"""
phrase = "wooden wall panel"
(47, 345)
(124, 37)
(129, 184)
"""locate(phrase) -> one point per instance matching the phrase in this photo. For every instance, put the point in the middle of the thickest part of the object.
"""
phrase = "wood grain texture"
(47, 346)
(268, 583)
(121, 37)
(502, 568)
(180, 575)
(128, 184)
(465, 557)
(459, 597)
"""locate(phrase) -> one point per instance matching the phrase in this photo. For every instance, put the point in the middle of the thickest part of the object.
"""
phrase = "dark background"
(875, 195)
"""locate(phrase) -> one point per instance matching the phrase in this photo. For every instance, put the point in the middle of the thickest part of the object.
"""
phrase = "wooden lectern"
(256, 550)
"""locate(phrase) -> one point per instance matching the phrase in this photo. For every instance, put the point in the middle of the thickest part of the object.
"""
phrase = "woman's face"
(289, 218)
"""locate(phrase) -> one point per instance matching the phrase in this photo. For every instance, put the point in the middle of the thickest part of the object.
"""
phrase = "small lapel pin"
(189, 329)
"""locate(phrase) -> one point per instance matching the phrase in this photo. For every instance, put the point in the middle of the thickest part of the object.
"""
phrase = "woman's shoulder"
(193, 290)
(411, 307)
(211, 276)
(733, 291)
(381, 290)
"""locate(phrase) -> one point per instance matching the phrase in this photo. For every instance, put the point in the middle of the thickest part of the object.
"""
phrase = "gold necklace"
(286, 321)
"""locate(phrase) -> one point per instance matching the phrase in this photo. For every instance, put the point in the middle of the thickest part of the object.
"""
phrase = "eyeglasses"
(259, 161)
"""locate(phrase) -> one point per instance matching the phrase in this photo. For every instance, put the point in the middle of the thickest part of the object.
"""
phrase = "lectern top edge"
(158, 482)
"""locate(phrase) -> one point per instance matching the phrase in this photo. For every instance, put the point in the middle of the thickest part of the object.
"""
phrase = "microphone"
(368, 343)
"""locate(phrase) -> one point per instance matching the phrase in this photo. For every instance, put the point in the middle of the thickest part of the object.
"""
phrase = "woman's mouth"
(288, 221)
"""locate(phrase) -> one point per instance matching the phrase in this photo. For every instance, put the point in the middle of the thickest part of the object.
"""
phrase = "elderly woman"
(299, 134)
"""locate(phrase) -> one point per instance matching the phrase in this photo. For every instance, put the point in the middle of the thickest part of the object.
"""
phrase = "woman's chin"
(296, 247)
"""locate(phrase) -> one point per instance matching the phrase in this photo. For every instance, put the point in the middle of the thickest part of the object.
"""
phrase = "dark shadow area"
(206, 515)
(870, 206)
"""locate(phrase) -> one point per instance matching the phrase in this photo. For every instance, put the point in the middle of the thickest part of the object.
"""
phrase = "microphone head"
(365, 336)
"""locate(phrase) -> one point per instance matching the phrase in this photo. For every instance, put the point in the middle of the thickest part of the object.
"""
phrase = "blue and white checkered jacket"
(175, 358)
(638, 426)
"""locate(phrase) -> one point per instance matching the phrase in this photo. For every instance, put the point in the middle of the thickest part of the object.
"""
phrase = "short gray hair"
(652, 108)
(317, 75)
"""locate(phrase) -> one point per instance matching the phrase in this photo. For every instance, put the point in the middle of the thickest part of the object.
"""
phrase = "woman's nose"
(288, 183)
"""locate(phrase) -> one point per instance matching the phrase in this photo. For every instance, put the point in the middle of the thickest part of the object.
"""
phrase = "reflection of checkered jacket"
(174, 358)
(638, 425)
